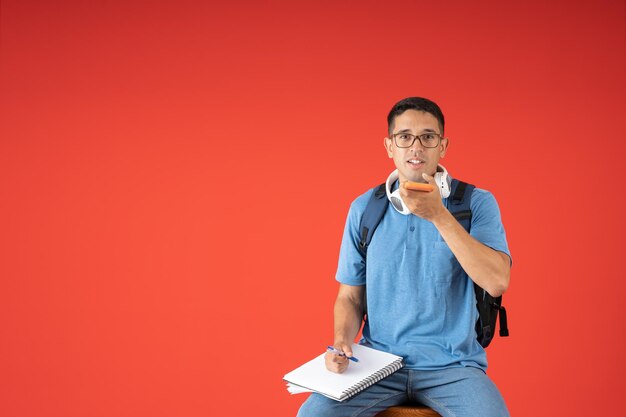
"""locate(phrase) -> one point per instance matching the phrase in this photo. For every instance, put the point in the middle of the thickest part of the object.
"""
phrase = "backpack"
(459, 206)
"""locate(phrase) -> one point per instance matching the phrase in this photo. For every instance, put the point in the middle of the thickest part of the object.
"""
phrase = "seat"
(409, 411)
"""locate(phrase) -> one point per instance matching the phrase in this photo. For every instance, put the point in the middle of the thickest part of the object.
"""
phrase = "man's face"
(415, 160)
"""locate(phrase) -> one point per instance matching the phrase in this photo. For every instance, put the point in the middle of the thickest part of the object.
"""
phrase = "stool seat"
(408, 411)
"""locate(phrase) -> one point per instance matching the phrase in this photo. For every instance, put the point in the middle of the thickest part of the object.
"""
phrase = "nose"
(417, 146)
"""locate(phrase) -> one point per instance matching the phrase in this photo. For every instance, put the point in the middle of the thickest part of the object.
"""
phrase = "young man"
(420, 296)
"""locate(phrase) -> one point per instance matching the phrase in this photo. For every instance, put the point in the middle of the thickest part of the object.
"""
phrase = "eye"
(428, 137)
(404, 136)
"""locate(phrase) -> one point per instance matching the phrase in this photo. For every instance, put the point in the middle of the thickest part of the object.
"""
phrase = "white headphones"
(441, 178)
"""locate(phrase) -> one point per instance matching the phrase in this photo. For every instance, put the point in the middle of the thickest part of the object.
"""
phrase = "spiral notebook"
(313, 376)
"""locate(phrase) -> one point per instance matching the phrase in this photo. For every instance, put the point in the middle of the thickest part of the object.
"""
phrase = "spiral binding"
(372, 379)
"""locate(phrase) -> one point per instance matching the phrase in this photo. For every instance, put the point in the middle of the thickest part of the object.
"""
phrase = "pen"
(338, 352)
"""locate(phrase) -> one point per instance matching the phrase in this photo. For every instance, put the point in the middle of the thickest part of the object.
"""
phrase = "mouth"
(415, 162)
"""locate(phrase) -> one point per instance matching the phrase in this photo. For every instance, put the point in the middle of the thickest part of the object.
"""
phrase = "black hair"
(414, 103)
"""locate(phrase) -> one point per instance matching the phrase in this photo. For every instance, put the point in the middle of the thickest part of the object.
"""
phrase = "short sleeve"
(351, 265)
(486, 225)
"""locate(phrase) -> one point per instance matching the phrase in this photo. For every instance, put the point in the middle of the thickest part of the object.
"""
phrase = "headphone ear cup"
(442, 181)
(394, 197)
(397, 203)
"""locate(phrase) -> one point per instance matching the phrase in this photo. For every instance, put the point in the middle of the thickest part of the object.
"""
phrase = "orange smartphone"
(418, 186)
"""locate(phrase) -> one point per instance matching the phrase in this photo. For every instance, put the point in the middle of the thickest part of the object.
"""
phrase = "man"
(420, 297)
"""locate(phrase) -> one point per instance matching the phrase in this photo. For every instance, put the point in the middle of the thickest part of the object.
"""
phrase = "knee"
(305, 410)
(317, 406)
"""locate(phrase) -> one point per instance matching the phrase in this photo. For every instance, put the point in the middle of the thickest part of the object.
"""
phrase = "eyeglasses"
(406, 140)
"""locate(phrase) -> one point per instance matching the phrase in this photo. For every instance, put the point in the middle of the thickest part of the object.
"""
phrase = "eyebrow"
(409, 131)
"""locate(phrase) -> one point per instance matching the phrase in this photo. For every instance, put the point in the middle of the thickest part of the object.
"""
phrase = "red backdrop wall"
(174, 178)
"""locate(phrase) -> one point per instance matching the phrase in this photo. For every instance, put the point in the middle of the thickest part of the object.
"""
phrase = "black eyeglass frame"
(395, 140)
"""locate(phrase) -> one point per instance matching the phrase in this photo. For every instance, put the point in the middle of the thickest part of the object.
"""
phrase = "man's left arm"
(488, 268)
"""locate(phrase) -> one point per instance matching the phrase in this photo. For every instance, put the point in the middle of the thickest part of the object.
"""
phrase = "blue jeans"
(453, 392)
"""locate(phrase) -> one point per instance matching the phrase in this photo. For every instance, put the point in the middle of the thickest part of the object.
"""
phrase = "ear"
(388, 143)
(443, 147)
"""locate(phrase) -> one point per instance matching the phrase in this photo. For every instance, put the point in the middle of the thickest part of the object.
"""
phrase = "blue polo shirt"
(420, 302)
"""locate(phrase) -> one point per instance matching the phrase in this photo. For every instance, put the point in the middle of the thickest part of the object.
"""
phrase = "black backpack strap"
(373, 214)
(504, 328)
(459, 202)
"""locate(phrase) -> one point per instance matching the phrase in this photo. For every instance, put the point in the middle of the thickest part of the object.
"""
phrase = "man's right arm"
(348, 319)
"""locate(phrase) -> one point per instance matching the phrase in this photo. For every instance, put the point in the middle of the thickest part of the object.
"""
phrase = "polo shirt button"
(412, 228)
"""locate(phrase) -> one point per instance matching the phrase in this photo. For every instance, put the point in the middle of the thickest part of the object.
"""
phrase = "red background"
(174, 179)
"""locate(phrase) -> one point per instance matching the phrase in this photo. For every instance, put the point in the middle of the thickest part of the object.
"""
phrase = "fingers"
(428, 178)
(347, 350)
(336, 358)
(421, 202)
(338, 362)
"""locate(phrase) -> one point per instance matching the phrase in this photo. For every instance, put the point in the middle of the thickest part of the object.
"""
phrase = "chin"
(411, 175)
(415, 178)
